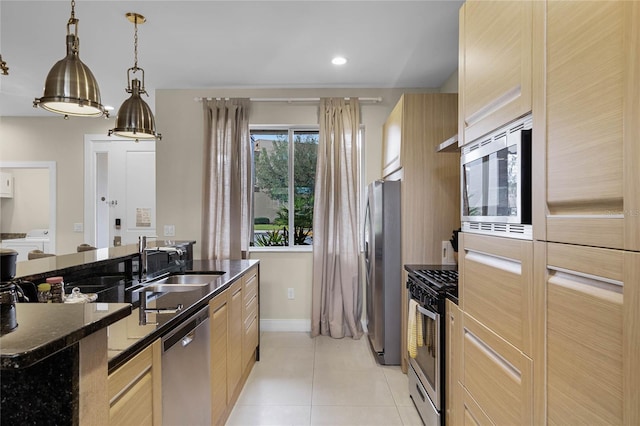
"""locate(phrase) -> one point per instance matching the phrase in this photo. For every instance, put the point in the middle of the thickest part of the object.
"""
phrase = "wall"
(55, 139)
(29, 207)
(451, 85)
(277, 311)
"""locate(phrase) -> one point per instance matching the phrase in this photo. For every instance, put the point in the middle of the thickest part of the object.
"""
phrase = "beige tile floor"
(322, 381)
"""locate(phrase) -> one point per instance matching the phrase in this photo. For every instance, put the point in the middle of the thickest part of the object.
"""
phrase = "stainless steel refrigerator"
(382, 251)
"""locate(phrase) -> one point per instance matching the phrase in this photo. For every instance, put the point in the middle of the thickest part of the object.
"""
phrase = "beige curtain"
(227, 195)
(337, 295)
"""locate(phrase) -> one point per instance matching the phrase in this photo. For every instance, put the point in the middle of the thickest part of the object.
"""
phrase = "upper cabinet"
(391, 140)
(592, 116)
(495, 65)
(6, 185)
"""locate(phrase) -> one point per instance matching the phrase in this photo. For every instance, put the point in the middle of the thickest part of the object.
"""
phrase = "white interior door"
(119, 190)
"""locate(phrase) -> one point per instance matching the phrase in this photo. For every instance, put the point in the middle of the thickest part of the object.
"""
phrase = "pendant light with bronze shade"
(71, 88)
(135, 119)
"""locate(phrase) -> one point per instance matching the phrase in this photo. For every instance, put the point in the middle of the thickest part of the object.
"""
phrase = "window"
(283, 200)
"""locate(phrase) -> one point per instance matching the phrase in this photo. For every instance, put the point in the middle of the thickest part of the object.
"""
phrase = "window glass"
(283, 201)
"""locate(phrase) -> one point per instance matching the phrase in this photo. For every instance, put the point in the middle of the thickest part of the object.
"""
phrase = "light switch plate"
(78, 227)
(169, 230)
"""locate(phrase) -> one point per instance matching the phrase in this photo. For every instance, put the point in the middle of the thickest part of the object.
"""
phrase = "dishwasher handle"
(185, 333)
(188, 338)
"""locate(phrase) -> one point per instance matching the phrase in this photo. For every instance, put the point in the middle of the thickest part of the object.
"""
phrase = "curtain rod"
(295, 100)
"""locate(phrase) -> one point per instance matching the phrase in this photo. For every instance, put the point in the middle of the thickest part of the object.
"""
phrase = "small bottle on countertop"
(57, 289)
(44, 293)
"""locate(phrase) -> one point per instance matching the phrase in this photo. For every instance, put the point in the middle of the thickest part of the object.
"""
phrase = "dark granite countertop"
(45, 328)
(127, 337)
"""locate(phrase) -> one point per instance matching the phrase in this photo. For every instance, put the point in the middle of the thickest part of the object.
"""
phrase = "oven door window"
(428, 353)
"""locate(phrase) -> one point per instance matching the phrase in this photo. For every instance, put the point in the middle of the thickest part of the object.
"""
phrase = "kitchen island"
(56, 362)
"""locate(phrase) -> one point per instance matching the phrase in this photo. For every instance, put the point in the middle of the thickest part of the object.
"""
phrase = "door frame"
(90, 176)
(51, 166)
(90, 170)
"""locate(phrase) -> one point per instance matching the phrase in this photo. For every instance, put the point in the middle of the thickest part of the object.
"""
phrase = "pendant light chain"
(135, 45)
(73, 21)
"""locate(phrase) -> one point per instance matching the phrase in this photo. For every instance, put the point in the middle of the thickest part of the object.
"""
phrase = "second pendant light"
(135, 119)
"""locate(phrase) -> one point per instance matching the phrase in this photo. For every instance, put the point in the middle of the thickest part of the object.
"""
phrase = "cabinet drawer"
(250, 286)
(135, 407)
(135, 390)
(472, 414)
(251, 312)
(497, 287)
(496, 375)
(126, 376)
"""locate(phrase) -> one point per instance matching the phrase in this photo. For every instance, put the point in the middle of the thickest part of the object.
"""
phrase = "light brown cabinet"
(234, 338)
(570, 326)
(135, 389)
(495, 65)
(392, 141)
(417, 125)
(234, 341)
(452, 361)
(250, 318)
(496, 375)
(497, 332)
(592, 103)
(219, 315)
(593, 338)
(496, 286)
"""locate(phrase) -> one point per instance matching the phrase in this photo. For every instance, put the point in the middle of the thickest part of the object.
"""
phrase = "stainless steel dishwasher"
(186, 385)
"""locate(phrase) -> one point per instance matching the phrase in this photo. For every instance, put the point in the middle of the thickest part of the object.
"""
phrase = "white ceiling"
(239, 44)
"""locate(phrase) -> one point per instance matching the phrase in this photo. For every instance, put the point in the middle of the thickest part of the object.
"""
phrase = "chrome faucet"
(143, 310)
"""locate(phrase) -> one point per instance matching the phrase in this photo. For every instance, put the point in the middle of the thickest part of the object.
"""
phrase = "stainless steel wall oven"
(428, 287)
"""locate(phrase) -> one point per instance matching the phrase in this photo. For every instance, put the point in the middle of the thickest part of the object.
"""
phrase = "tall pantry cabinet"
(591, 123)
(430, 185)
(583, 306)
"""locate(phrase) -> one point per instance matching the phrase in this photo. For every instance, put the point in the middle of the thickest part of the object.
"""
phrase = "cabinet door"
(234, 349)
(592, 110)
(392, 140)
(495, 65)
(6, 185)
(452, 362)
(592, 335)
(496, 286)
(219, 314)
(135, 390)
(496, 375)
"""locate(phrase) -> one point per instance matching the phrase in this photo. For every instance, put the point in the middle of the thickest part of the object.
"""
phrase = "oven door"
(427, 363)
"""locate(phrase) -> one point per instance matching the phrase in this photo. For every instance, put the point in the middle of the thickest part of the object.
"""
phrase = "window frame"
(291, 130)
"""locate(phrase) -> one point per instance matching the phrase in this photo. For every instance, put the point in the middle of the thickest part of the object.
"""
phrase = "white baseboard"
(299, 325)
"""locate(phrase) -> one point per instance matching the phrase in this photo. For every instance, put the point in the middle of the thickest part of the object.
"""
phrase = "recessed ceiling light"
(339, 60)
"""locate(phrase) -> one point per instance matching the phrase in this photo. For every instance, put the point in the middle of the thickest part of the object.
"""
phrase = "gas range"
(432, 281)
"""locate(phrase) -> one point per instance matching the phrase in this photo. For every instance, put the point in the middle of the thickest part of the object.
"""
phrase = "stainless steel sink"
(186, 279)
(166, 287)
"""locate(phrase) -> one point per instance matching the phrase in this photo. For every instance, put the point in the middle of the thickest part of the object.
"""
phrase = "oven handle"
(430, 314)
